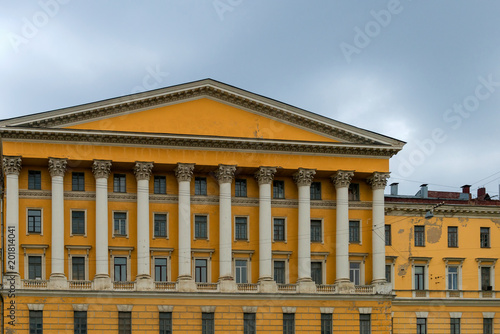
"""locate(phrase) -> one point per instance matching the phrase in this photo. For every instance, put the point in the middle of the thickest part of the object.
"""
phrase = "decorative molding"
(249, 309)
(422, 314)
(326, 310)
(165, 308)
(208, 309)
(101, 168)
(11, 165)
(35, 307)
(142, 170)
(157, 198)
(80, 307)
(184, 172)
(124, 308)
(378, 180)
(365, 310)
(456, 315)
(122, 197)
(35, 194)
(304, 177)
(205, 200)
(342, 178)
(225, 173)
(488, 315)
(447, 210)
(265, 175)
(289, 309)
(57, 167)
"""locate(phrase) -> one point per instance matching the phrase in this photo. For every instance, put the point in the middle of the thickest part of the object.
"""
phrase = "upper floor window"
(485, 237)
(316, 191)
(77, 222)
(240, 188)
(160, 225)
(160, 184)
(388, 235)
(34, 179)
(452, 278)
(354, 231)
(201, 227)
(240, 228)
(355, 272)
(241, 270)
(120, 269)
(120, 223)
(78, 181)
(119, 183)
(201, 270)
(419, 236)
(200, 185)
(34, 267)
(160, 269)
(78, 268)
(388, 273)
(486, 279)
(279, 229)
(279, 272)
(316, 231)
(353, 192)
(419, 277)
(452, 236)
(278, 189)
(317, 272)
(34, 221)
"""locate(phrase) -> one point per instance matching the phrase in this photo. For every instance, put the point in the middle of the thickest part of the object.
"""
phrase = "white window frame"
(41, 221)
(208, 226)
(119, 253)
(28, 253)
(84, 222)
(242, 255)
(167, 225)
(286, 229)
(70, 260)
(422, 262)
(247, 268)
(279, 256)
(126, 224)
(454, 262)
(486, 262)
(209, 267)
(360, 221)
(361, 259)
(158, 253)
(391, 260)
(361, 272)
(322, 230)
(321, 257)
(248, 228)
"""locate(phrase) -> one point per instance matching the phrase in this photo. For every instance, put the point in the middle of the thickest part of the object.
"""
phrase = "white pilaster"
(12, 168)
(342, 179)
(57, 168)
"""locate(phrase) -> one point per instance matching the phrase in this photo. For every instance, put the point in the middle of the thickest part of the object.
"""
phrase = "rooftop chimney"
(466, 188)
(424, 191)
(394, 189)
(481, 192)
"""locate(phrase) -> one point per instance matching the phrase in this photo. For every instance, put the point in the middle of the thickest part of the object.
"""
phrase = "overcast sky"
(427, 73)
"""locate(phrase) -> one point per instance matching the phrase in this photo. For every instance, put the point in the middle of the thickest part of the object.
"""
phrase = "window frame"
(353, 192)
(41, 268)
(321, 274)
(249, 323)
(284, 229)
(453, 237)
(246, 229)
(207, 323)
(167, 267)
(85, 271)
(351, 270)
(240, 188)
(420, 240)
(485, 237)
(77, 181)
(119, 183)
(155, 236)
(458, 282)
(278, 189)
(28, 232)
(35, 322)
(79, 322)
(34, 179)
(72, 233)
(288, 323)
(247, 270)
(160, 184)
(388, 234)
(358, 234)
(165, 320)
(422, 326)
(488, 326)
(316, 191)
(364, 322)
(200, 186)
(285, 270)
(207, 269)
(326, 323)
(126, 235)
(124, 322)
(321, 240)
(207, 228)
(455, 325)
(127, 278)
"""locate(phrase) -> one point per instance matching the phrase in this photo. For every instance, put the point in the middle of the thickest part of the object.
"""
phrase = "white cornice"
(447, 210)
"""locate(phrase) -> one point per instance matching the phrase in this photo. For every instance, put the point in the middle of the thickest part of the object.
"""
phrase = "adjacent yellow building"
(203, 208)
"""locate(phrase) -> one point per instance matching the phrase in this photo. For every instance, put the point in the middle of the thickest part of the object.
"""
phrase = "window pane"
(485, 237)
(241, 271)
(278, 189)
(200, 227)
(34, 179)
(355, 272)
(160, 184)
(487, 326)
(34, 221)
(207, 323)
(316, 191)
(421, 326)
(241, 188)
(160, 270)
(201, 270)
(388, 273)
(78, 222)
(200, 186)
(36, 322)
(120, 269)
(34, 267)
(388, 236)
(78, 181)
(119, 183)
(124, 323)
(78, 268)
(354, 231)
(353, 192)
(279, 272)
(249, 323)
(419, 278)
(316, 235)
(419, 235)
(279, 229)
(120, 223)
(288, 323)
(160, 225)
(455, 326)
(364, 324)
(453, 278)
(326, 323)
(240, 231)
(317, 272)
(80, 322)
(165, 323)
(452, 236)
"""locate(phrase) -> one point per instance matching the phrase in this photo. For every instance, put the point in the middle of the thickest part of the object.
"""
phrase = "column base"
(227, 284)
(12, 281)
(306, 285)
(57, 282)
(382, 287)
(267, 285)
(345, 287)
(186, 284)
(144, 283)
(102, 282)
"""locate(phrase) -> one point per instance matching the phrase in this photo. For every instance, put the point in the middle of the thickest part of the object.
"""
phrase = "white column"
(12, 168)
(303, 178)
(142, 171)
(225, 175)
(378, 181)
(184, 173)
(265, 177)
(57, 168)
(341, 179)
(101, 169)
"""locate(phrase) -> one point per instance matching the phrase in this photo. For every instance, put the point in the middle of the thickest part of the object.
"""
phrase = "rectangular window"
(200, 270)
(78, 268)
(388, 273)
(316, 191)
(160, 225)
(279, 229)
(486, 279)
(200, 227)
(279, 272)
(485, 237)
(119, 183)
(34, 179)
(240, 267)
(317, 272)
(78, 181)
(453, 278)
(36, 322)
(419, 278)
(200, 185)
(354, 231)
(326, 323)
(165, 322)
(34, 221)
(34, 267)
(278, 189)
(240, 189)
(419, 236)
(353, 192)
(421, 326)
(80, 322)
(120, 223)
(487, 326)
(160, 184)
(160, 269)
(365, 326)
(355, 272)
(388, 235)
(452, 236)
(207, 323)
(78, 222)
(124, 322)
(316, 233)
(249, 323)
(288, 323)
(240, 228)
(120, 269)
(455, 326)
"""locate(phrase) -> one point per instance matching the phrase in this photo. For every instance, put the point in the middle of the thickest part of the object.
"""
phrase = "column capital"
(11, 165)
(184, 172)
(142, 170)
(342, 178)
(265, 175)
(57, 167)
(101, 168)
(378, 180)
(304, 177)
(225, 173)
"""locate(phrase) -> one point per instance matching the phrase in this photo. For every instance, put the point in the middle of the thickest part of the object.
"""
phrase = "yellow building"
(203, 208)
